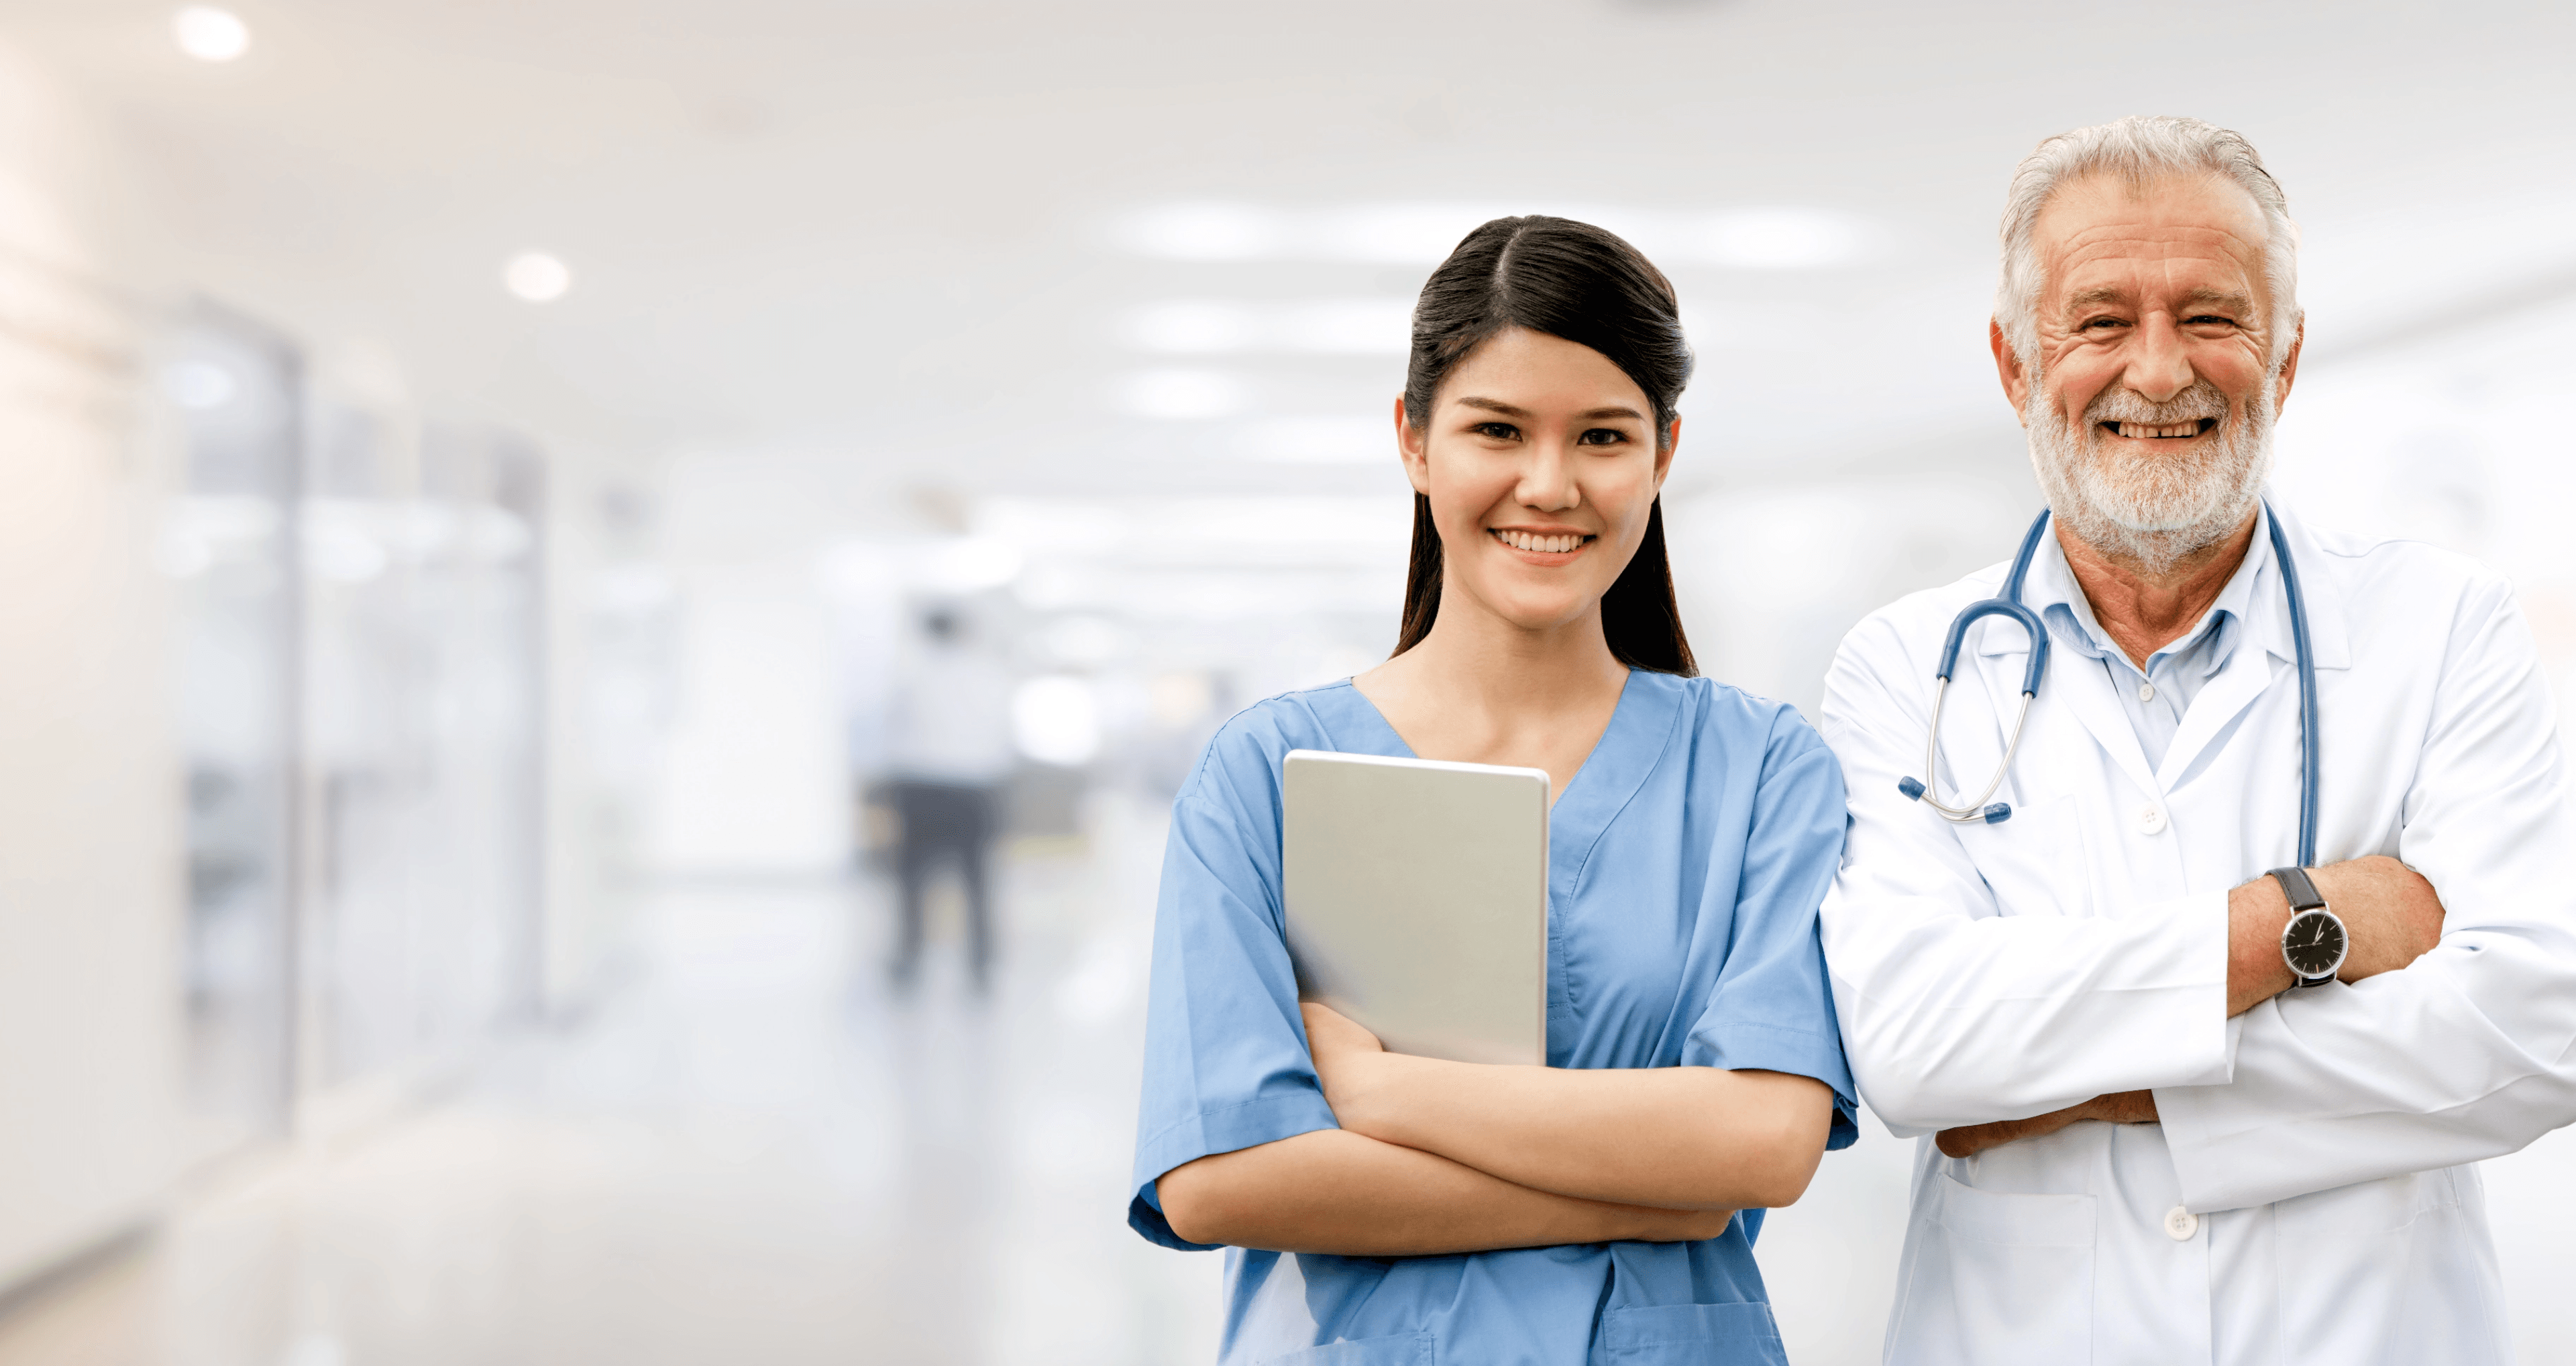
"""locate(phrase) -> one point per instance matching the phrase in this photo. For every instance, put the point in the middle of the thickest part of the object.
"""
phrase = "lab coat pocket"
(2405, 1283)
(1401, 1349)
(1999, 1278)
(1674, 1334)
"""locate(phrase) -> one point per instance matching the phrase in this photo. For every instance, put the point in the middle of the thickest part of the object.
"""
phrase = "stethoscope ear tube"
(1977, 810)
(2009, 604)
(2031, 673)
(2006, 604)
(2307, 692)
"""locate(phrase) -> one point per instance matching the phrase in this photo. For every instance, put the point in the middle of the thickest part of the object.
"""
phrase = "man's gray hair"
(2140, 150)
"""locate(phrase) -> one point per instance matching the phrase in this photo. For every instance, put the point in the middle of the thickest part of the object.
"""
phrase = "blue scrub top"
(1686, 860)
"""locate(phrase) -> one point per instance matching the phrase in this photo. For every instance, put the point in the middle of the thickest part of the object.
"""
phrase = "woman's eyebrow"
(1495, 405)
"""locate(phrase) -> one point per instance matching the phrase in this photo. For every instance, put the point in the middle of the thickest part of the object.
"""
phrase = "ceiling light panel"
(1362, 326)
(1178, 395)
(1763, 237)
(1193, 327)
(1326, 440)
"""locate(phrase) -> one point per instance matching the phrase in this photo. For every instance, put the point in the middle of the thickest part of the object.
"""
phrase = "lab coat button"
(2151, 820)
(2180, 1224)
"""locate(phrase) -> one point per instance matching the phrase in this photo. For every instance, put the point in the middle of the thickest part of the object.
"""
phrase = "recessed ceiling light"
(209, 34)
(536, 277)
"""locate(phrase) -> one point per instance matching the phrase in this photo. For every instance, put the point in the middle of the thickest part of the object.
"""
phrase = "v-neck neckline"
(1640, 731)
(1618, 710)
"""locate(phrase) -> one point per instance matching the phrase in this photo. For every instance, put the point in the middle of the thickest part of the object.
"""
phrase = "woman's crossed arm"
(1436, 1157)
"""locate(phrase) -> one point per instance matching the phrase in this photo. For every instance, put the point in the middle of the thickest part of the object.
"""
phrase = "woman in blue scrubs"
(1382, 1209)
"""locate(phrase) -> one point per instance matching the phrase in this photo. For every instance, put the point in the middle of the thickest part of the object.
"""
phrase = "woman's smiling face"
(1541, 465)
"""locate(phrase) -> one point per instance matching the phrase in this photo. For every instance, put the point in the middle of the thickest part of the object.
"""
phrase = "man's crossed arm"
(2391, 915)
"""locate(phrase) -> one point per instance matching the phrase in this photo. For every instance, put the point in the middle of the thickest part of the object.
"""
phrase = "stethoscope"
(2010, 605)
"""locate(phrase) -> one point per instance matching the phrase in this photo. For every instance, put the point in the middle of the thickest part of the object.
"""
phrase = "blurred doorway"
(236, 392)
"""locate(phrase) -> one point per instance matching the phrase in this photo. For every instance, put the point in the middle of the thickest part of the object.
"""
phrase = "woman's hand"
(1349, 1061)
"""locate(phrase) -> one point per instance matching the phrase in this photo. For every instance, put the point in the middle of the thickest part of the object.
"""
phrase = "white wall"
(89, 794)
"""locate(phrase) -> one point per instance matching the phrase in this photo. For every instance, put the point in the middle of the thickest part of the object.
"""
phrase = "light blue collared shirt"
(2156, 696)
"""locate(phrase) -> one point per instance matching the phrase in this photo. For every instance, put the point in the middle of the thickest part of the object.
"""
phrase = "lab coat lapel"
(2085, 690)
(2250, 670)
(2267, 655)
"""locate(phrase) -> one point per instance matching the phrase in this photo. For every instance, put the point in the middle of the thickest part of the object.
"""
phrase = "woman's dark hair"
(1578, 282)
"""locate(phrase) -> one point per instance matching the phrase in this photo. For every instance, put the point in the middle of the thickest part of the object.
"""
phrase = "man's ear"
(2289, 368)
(2008, 368)
(1411, 447)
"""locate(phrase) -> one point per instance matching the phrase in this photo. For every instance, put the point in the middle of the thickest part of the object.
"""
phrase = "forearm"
(1334, 1191)
(2391, 915)
(2256, 972)
(1670, 1137)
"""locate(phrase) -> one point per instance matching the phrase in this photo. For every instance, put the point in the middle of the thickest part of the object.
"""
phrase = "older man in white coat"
(2145, 1138)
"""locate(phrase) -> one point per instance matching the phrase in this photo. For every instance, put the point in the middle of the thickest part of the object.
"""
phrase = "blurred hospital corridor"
(755, 1150)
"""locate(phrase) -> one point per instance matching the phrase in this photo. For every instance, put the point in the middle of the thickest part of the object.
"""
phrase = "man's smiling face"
(2150, 396)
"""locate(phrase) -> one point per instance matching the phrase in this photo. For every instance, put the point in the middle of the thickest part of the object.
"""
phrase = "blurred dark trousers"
(944, 822)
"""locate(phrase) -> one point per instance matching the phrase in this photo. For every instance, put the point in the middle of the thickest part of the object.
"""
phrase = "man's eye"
(2098, 324)
(1602, 436)
(2211, 319)
(1498, 431)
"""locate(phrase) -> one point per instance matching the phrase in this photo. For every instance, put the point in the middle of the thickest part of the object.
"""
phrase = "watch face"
(2313, 944)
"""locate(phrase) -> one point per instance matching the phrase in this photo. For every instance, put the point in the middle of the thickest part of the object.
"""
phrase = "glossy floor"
(753, 1151)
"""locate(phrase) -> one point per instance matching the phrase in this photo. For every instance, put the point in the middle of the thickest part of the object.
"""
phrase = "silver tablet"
(1417, 901)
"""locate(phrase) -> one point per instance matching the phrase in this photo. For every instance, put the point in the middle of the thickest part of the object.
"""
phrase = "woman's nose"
(1547, 481)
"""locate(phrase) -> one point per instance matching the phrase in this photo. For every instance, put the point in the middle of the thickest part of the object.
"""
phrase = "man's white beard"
(2150, 510)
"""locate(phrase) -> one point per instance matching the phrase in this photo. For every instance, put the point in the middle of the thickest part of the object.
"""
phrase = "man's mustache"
(2201, 400)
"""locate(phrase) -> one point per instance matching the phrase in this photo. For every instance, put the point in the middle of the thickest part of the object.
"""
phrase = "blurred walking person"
(949, 757)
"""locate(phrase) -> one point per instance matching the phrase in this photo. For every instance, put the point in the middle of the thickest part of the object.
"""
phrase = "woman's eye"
(1498, 431)
(1601, 436)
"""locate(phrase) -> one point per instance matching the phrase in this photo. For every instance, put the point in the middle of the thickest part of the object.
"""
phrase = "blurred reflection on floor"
(749, 1154)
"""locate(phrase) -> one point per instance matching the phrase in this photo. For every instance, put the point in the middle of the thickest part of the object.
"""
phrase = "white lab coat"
(2309, 1195)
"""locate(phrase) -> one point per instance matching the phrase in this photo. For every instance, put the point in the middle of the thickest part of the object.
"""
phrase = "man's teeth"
(2143, 429)
(1545, 545)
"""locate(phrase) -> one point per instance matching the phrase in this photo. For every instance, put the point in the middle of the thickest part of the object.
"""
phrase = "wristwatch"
(2314, 942)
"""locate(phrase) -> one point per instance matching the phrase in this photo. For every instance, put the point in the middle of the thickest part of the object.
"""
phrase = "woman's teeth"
(1544, 545)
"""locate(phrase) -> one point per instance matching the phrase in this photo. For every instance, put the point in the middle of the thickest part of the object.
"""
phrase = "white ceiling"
(909, 244)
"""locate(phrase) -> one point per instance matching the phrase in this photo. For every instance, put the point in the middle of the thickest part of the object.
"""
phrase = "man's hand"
(2123, 1107)
(2391, 915)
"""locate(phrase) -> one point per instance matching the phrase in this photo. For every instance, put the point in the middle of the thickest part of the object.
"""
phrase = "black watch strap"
(2295, 885)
